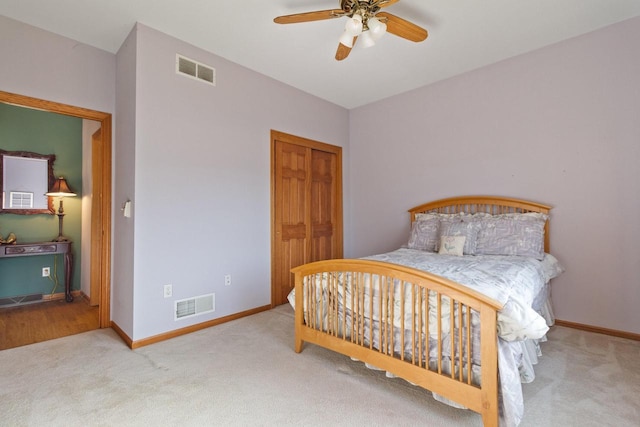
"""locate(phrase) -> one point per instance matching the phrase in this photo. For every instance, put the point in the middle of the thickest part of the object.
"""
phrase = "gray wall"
(201, 187)
(40, 64)
(124, 186)
(558, 125)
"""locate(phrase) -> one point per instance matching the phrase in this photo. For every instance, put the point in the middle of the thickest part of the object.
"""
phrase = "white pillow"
(452, 245)
(457, 227)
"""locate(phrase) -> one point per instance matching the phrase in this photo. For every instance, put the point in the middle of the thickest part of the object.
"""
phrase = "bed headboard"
(493, 205)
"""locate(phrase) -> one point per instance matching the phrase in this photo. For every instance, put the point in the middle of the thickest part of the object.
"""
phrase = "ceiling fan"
(365, 22)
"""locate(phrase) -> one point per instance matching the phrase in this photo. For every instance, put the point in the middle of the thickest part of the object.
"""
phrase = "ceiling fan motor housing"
(366, 9)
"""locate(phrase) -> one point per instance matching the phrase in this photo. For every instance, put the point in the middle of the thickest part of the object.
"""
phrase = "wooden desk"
(46, 248)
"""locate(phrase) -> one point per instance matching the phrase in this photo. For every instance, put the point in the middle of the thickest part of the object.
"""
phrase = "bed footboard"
(426, 329)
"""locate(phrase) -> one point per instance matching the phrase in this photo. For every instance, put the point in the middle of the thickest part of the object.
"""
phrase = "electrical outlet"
(168, 291)
(227, 280)
(46, 271)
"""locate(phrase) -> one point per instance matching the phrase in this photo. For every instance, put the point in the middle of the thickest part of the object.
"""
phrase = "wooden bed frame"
(327, 327)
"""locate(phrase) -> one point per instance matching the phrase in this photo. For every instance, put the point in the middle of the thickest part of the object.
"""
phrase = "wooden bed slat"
(439, 318)
(469, 345)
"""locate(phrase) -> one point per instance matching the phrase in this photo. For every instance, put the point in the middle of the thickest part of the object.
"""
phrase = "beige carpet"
(245, 372)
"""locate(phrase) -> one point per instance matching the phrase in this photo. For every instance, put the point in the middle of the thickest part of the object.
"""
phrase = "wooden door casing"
(306, 203)
(96, 217)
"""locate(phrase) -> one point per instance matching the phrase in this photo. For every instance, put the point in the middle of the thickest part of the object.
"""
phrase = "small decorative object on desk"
(10, 240)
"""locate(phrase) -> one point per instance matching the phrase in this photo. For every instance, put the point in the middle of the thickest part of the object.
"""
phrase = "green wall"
(24, 129)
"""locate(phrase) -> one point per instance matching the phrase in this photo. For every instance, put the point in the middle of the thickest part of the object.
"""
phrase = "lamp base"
(60, 237)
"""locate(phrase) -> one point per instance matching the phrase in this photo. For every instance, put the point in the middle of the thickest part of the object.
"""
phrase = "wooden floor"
(31, 323)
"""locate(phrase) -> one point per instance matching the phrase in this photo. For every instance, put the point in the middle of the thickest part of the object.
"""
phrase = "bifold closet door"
(307, 207)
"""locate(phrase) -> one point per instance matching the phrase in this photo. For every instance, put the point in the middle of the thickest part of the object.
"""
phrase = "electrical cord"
(54, 277)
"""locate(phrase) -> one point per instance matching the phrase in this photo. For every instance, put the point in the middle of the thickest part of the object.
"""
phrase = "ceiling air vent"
(194, 306)
(195, 70)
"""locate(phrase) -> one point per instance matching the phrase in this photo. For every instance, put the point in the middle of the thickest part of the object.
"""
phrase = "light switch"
(126, 209)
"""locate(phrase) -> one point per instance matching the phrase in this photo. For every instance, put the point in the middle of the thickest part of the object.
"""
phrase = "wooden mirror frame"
(50, 158)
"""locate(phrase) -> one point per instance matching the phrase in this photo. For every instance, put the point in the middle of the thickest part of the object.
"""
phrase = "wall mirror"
(25, 177)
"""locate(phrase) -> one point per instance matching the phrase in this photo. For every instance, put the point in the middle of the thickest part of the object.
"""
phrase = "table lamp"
(61, 189)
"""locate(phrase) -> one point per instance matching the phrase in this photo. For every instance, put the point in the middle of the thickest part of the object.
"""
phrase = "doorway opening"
(101, 223)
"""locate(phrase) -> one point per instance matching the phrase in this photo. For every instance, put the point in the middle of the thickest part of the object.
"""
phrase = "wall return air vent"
(195, 70)
(194, 306)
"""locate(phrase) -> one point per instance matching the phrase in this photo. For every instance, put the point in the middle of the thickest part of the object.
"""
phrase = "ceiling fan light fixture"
(366, 40)
(346, 39)
(354, 25)
(376, 28)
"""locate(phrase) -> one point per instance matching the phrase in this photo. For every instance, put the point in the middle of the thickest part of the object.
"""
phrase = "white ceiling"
(463, 35)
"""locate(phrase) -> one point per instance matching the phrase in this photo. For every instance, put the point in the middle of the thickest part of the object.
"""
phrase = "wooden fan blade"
(403, 28)
(344, 51)
(318, 15)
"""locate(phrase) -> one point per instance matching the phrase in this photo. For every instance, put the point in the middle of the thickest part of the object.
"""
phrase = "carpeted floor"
(245, 372)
